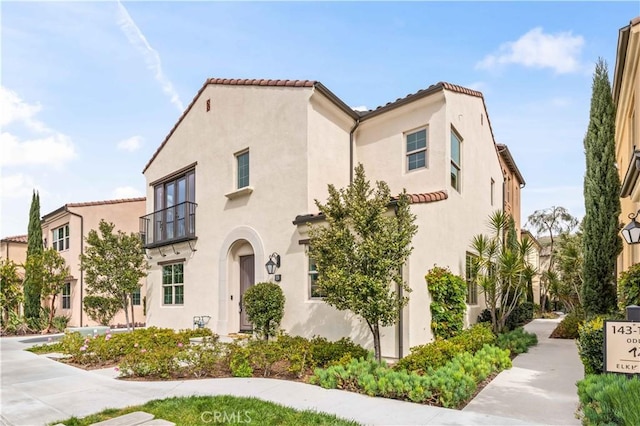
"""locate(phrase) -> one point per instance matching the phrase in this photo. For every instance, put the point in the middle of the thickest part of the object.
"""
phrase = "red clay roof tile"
(99, 203)
(16, 239)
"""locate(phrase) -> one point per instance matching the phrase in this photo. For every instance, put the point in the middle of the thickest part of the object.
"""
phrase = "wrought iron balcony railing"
(167, 226)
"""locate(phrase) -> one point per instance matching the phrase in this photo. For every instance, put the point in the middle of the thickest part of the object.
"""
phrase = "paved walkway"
(37, 390)
(540, 387)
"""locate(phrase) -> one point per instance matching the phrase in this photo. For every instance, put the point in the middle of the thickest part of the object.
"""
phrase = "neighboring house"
(533, 258)
(233, 186)
(66, 228)
(512, 185)
(15, 249)
(626, 96)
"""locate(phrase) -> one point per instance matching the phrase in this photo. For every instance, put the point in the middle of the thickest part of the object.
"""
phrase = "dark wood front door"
(247, 278)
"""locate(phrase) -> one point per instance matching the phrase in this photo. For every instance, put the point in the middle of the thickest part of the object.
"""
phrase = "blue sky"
(90, 89)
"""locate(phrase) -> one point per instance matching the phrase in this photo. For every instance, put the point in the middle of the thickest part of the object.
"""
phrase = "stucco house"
(511, 186)
(626, 96)
(232, 187)
(65, 230)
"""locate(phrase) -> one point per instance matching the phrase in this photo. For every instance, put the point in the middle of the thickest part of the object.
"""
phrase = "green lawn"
(205, 410)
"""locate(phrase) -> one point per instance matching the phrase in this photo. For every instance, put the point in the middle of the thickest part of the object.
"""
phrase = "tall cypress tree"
(34, 247)
(601, 242)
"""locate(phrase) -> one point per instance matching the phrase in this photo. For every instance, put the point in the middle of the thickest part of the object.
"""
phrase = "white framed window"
(472, 287)
(314, 289)
(242, 160)
(173, 284)
(66, 296)
(60, 238)
(135, 298)
(456, 145)
(416, 149)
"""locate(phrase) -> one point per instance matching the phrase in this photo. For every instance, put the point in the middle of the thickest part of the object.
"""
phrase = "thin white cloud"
(53, 150)
(48, 147)
(151, 56)
(126, 192)
(480, 86)
(360, 108)
(560, 52)
(17, 185)
(130, 144)
(14, 109)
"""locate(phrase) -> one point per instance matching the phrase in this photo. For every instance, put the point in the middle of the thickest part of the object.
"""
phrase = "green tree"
(360, 251)
(448, 302)
(552, 221)
(601, 241)
(50, 271)
(264, 303)
(113, 264)
(568, 263)
(31, 285)
(101, 309)
(10, 291)
(501, 269)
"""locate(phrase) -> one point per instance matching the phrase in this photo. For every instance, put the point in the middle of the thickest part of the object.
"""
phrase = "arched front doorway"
(241, 253)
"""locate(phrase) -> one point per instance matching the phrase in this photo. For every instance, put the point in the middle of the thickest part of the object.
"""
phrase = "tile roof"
(361, 115)
(99, 203)
(16, 239)
(262, 82)
(94, 203)
(427, 197)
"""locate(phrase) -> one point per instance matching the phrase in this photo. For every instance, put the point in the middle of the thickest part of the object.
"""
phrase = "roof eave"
(504, 149)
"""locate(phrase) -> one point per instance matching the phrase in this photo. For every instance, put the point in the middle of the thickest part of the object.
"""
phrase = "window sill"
(239, 192)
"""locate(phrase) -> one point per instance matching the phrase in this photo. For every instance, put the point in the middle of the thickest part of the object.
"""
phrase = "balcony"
(169, 226)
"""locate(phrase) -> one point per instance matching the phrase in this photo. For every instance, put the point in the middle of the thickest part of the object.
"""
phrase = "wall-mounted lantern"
(631, 232)
(272, 265)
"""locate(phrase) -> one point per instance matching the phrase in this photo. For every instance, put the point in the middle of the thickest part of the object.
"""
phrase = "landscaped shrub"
(449, 386)
(568, 327)
(448, 297)
(609, 399)
(629, 287)
(439, 352)
(60, 322)
(591, 344)
(521, 315)
(324, 352)
(101, 309)
(158, 363)
(264, 303)
(517, 341)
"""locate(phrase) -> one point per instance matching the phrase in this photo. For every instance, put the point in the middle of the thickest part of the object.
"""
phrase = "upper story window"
(174, 207)
(243, 169)
(416, 144)
(60, 238)
(456, 144)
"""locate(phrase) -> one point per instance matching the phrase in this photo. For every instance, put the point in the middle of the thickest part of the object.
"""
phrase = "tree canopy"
(31, 285)
(360, 251)
(113, 263)
(601, 242)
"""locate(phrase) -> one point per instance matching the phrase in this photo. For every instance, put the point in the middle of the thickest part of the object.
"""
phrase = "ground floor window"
(173, 284)
(66, 296)
(470, 275)
(314, 290)
(135, 298)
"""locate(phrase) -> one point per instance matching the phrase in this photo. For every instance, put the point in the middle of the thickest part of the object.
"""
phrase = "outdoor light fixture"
(273, 263)
(631, 232)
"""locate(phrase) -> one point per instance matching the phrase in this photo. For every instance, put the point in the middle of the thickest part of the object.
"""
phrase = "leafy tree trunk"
(133, 319)
(32, 287)
(52, 312)
(375, 331)
(601, 241)
(126, 311)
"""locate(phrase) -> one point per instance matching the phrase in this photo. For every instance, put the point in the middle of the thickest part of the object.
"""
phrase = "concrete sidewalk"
(541, 386)
(37, 390)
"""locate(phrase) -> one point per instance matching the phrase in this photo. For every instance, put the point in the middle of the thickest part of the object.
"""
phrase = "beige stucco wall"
(14, 251)
(125, 216)
(628, 118)
(298, 144)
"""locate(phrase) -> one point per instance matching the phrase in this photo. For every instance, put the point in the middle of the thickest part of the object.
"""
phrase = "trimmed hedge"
(609, 399)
